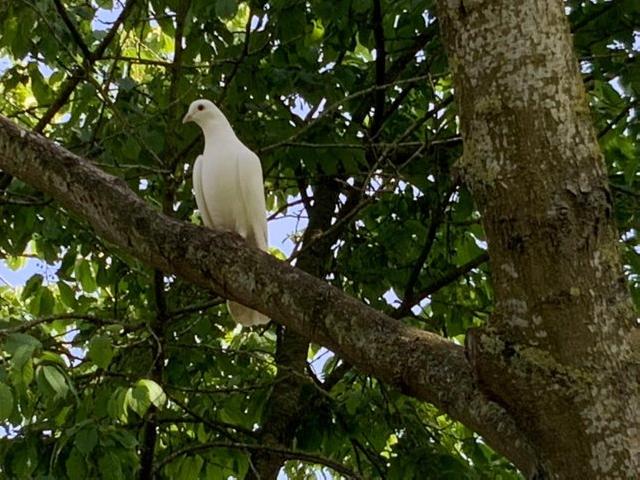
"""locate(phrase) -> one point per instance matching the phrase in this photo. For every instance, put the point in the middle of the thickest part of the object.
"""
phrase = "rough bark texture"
(419, 363)
(557, 351)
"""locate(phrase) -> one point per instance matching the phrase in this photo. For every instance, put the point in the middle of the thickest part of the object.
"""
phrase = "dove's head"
(203, 112)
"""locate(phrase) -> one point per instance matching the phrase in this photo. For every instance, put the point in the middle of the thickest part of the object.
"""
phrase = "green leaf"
(103, 277)
(145, 393)
(76, 465)
(21, 42)
(117, 404)
(124, 438)
(226, 8)
(46, 302)
(85, 276)
(101, 351)
(21, 347)
(17, 340)
(21, 356)
(66, 266)
(86, 440)
(127, 83)
(32, 286)
(155, 393)
(39, 86)
(6, 401)
(56, 380)
(67, 295)
(15, 263)
(190, 467)
(23, 460)
(137, 399)
(110, 466)
(131, 149)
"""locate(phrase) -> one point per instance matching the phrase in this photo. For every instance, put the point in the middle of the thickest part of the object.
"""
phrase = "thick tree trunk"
(557, 352)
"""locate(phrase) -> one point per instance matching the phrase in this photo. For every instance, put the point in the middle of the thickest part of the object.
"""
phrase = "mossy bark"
(557, 353)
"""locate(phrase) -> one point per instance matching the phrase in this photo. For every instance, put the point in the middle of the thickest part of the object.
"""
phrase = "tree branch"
(335, 106)
(284, 452)
(26, 326)
(86, 53)
(150, 426)
(599, 10)
(72, 82)
(618, 118)
(418, 363)
(437, 214)
(238, 62)
(437, 284)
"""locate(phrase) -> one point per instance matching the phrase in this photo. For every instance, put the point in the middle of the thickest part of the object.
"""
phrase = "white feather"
(252, 193)
(229, 190)
(197, 188)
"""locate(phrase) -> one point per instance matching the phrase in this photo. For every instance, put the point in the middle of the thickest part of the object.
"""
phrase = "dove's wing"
(252, 197)
(253, 222)
(198, 190)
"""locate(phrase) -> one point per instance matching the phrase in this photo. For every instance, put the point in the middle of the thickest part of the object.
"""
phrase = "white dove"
(227, 180)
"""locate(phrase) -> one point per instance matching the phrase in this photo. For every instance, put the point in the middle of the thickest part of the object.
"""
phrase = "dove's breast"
(221, 188)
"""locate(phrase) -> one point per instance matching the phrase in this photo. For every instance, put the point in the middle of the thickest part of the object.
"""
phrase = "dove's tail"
(245, 316)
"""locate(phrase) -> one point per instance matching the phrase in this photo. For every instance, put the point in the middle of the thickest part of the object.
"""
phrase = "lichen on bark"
(556, 351)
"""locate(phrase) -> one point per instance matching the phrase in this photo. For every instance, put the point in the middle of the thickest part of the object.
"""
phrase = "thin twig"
(288, 454)
(23, 327)
(625, 111)
(439, 283)
(62, 11)
(72, 82)
(336, 106)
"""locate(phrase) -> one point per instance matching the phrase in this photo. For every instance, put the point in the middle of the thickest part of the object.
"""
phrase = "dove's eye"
(200, 107)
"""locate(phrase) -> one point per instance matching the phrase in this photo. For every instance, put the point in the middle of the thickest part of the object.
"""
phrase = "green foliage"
(100, 351)
(6, 401)
(92, 351)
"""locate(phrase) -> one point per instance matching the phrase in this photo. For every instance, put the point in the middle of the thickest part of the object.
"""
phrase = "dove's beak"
(187, 118)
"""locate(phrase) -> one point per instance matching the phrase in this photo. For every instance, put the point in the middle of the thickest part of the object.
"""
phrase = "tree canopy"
(111, 368)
